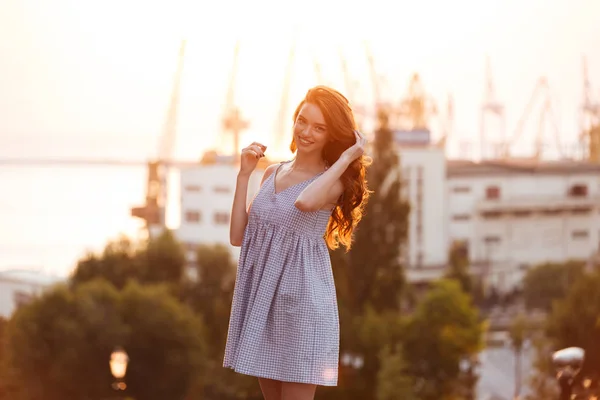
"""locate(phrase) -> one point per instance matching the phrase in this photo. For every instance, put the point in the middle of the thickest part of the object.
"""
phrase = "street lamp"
(568, 363)
(118, 367)
(468, 369)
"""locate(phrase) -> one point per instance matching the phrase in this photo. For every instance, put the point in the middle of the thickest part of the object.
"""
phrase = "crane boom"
(232, 119)
(167, 143)
(281, 122)
(153, 212)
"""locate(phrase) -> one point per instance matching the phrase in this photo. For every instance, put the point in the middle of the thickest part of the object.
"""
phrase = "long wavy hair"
(349, 207)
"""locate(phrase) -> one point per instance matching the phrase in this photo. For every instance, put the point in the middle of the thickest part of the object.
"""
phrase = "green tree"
(59, 344)
(548, 282)
(459, 267)
(117, 263)
(375, 273)
(393, 380)
(370, 277)
(6, 388)
(443, 330)
(158, 260)
(210, 296)
(575, 320)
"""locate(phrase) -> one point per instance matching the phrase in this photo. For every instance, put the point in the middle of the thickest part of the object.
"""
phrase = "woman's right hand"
(250, 156)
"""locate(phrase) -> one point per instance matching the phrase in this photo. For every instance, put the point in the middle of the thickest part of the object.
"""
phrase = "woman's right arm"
(239, 212)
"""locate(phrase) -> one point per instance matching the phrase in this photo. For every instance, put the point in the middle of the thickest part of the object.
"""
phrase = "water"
(50, 216)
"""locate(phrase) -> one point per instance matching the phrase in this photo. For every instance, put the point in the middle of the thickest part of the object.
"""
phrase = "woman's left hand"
(357, 149)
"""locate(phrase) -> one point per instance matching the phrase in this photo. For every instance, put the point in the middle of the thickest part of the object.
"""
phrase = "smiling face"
(310, 129)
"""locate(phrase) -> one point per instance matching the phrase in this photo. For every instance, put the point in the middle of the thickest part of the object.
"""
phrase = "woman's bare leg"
(297, 391)
(270, 388)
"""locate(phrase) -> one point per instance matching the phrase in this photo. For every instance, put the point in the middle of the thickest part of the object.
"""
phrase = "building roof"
(29, 276)
(519, 166)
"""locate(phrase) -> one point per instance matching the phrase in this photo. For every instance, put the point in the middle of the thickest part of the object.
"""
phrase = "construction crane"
(416, 109)
(376, 80)
(153, 212)
(589, 120)
(281, 122)
(448, 126)
(360, 113)
(233, 124)
(546, 116)
(493, 108)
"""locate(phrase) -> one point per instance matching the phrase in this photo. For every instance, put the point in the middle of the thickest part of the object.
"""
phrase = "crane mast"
(281, 120)
(153, 212)
(589, 120)
(491, 107)
(233, 124)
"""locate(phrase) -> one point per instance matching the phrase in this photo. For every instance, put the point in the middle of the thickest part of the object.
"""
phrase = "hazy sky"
(87, 78)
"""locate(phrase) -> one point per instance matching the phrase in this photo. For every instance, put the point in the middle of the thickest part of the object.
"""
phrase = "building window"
(492, 239)
(491, 214)
(578, 190)
(221, 218)
(581, 211)
(461, 189)
(522, 214)
(193, 188)
(222, 189)
(580, 234)
(492, 192)
(192, 216)
(551, 212)
(461, 217)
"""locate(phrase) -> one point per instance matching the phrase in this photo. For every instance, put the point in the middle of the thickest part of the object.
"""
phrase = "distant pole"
(234, 123)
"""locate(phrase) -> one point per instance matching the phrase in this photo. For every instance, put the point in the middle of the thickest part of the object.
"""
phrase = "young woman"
(284, 326)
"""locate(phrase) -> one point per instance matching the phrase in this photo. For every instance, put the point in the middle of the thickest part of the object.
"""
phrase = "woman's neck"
(309, 162)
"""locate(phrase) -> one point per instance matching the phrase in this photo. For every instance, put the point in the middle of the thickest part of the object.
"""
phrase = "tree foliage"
(375, 273)
(370, 277)
(444, 330)
(575, 320)
(548, 282)
(393, 379)
(158, 260)
(459, 267)
(211, 298)
(59, 345)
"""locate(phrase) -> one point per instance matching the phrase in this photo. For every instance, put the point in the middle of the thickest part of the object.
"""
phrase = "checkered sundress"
(284, 322)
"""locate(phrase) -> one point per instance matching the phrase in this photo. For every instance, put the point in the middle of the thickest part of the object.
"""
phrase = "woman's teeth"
(304, 141)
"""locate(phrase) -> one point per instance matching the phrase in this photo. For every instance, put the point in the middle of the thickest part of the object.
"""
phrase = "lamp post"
(568, 363)
(118, 367)
(468, 368)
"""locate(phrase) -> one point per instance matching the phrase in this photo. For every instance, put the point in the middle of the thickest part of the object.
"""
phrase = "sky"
(89, 79)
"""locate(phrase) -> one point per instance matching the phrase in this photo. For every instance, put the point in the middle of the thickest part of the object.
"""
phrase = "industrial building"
(513, 214)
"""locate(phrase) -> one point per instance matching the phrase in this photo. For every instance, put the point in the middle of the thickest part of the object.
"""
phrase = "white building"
(514, 214)
(423, 170)
(17, 287)
(207, 192)
(424, 176)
